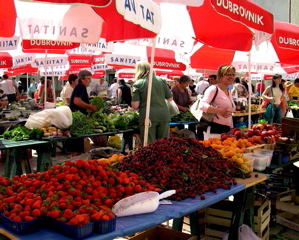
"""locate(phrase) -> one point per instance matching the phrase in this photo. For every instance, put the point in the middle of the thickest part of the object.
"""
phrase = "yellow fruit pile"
(113, 159)
(233, 149)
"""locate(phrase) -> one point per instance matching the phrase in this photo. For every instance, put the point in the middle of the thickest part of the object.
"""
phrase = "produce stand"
(131, 224)
(16, 150)
(11, 123)
(127, 139)
(243, 114)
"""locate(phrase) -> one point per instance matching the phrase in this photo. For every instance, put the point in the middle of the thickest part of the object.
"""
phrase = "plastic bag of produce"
(60, 117)
(114, 141)
(173, 108)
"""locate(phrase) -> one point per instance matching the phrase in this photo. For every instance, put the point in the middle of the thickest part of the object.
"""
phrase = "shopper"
(260, 88)
(9, 88)
(223, 105)
(31, 88)
(68, 89)
(159, 114)
(42, 93)
(274, 94)
(112, 90)
(124, 92)
(294, 90)
(180, 94)
(239, 90)
(201, 86)
(99, 88)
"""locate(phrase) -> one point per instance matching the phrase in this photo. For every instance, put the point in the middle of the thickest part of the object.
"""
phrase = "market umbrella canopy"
(285, 41)
(96, 3)
(231, 24)
(6, 60)
(119, 20)
(8, 17)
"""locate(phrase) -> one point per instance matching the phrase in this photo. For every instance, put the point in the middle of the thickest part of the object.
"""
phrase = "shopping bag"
(269, 114)
(264, 103)
(200, 115)
(246, 233)
(173, 108)
(290, 114)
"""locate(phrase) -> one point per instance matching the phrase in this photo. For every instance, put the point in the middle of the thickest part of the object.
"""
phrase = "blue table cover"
(131, 224)
(185, 123)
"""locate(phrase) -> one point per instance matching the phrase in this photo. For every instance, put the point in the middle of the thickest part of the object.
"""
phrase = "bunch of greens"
(98, 102)
(183, 117)
(81, 125)
(20, 133)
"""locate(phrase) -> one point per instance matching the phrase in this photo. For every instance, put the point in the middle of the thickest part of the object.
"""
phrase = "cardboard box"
(162, 233)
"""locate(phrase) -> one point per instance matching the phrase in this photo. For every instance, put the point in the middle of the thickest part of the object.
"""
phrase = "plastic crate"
(105, 226)
(75, 232)
(22, 228)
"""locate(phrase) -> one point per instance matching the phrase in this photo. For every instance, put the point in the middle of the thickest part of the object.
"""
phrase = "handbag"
(200, 115)
(269, 114)
(265, 102)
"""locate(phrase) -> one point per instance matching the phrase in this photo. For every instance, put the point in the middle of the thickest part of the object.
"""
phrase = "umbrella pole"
(249, 90)
(149, 91)
(53, 81)
(46, 81)
(27, 84)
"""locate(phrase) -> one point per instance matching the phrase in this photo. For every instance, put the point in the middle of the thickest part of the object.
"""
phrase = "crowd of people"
(224, 88)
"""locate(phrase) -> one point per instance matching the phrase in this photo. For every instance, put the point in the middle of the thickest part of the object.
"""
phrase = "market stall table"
(127, 139)
(131, 224)
(16, 154)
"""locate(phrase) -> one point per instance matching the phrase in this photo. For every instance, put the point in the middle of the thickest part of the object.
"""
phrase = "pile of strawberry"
(73, 193)
(185, 165)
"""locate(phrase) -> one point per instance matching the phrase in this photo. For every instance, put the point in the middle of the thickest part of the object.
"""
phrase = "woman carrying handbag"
(274, 95)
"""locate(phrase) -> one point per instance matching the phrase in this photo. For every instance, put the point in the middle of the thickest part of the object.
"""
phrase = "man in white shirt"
(112, 90)
(201, 86)
(67, 90)
(9, 89)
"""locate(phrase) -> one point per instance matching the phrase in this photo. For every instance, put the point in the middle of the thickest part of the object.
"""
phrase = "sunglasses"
(230, 74)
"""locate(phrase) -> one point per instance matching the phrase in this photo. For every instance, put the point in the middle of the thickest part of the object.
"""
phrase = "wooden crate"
(218, 220)
(286, 202)
(287, 209)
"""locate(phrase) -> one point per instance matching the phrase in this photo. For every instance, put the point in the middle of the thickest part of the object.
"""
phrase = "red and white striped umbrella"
(81, 22)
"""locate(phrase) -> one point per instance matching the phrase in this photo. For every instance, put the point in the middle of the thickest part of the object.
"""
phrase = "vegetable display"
(81, 125)
(20, 133)
(183, 164)
(183, 117)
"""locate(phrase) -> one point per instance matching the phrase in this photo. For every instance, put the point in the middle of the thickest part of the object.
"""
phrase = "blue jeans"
(277, 115)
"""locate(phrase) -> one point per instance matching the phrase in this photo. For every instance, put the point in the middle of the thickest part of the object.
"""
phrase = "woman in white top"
(274, 94)
(222, 120)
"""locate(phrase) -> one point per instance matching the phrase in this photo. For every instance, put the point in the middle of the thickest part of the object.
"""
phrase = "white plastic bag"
(60, 117)
(173, 108)
(244, 233)
(290, 114)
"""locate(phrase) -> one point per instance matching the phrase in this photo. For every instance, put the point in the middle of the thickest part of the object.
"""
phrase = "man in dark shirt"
(79, 100)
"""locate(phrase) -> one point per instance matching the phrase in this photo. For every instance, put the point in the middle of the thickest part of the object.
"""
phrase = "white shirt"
(7, 86)
(113, 89)
(67, 92)
(201, 86)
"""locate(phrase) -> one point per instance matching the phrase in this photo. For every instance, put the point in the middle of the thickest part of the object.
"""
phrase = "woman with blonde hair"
(159, 113)
(223, 104)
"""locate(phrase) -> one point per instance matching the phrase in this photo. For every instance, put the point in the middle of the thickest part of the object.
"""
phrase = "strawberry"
(73, 222)
(36, 213)
(67, 213)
